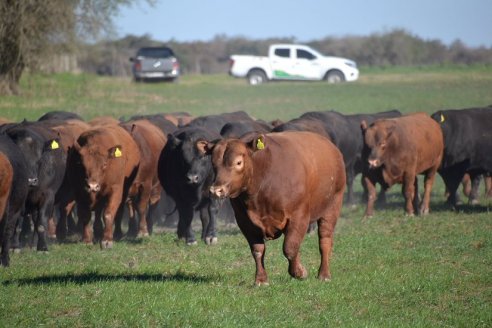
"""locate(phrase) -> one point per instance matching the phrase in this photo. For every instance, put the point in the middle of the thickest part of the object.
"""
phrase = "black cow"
(344, 132)
(239, 128)
(185, 172)
(60, 115)
(46, 163)
(467, 145)
(216, 122)
(16, 198)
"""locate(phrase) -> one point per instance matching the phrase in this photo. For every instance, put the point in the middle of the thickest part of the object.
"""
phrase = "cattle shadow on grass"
(93, 277)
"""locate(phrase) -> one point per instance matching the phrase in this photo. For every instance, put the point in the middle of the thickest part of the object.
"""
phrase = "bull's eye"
(239, 163)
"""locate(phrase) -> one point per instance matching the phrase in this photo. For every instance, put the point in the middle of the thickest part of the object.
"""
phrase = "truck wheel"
(334, 77)
(256, 77)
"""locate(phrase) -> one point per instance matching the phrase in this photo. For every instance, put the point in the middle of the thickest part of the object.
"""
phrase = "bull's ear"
(254, 141)
(201, 145)
(363, 125)
(115, 152)
(390, 128)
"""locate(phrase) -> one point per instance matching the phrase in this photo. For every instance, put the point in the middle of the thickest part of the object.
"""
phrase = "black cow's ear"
(363, 125)
(172, 141)
(53, 144)
(115, 152)
(201, 145)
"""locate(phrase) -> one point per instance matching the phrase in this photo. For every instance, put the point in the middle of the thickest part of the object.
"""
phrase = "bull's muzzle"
(32, 182)
(218, 191)
(192, 178)
(94, 186)
(373, 163)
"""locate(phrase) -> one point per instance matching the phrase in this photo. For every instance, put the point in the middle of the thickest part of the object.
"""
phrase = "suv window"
(305, 54)
(155, 52)
(282, 52)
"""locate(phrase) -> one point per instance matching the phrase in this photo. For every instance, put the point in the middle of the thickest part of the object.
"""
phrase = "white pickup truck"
(293, 62)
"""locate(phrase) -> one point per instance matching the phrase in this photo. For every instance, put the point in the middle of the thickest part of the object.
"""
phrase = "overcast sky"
(306, 20)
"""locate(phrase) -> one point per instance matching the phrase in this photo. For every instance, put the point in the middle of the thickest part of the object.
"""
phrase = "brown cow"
(146, 188)
(279, 183)
(6, 178)
(104, 164)
(402, 148)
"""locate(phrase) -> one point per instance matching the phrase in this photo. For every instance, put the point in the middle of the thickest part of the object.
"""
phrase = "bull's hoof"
(324, 278)
(261, 283)
(191, 243)
(17, 250)
(211, 240)
(142, 234)
(474, 202)
(299, 273)
(106, 244)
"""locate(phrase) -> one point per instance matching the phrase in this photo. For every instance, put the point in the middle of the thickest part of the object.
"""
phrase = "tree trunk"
(11, 65)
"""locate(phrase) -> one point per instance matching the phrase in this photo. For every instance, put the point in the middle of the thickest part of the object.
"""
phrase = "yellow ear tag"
(117, 152)
(260, 145)
(54, 145)
(442, 118)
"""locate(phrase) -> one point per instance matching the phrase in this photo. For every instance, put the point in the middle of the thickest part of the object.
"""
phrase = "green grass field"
(388, 271)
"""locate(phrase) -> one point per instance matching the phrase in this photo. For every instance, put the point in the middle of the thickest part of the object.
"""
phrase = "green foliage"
(388, 271)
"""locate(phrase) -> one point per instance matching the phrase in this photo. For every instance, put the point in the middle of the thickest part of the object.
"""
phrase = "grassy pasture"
(391, 270)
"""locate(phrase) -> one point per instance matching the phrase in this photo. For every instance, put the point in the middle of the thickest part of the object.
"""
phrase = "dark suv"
(155, 63)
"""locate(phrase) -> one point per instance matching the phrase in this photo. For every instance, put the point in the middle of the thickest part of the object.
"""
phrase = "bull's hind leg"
(429, 181)
(294, 235)
(326, 228)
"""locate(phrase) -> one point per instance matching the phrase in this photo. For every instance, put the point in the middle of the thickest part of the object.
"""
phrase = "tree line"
(397, 47)
(51, 36)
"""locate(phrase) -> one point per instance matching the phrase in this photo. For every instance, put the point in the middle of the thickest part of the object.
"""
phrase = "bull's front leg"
(185, 230)
(45, 212)
(408, 190)
(258, 252)
(371, 197)
(211, 230)
(84, 215)
(109, 216)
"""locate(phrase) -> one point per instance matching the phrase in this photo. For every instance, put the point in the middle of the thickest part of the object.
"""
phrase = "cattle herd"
(61, 175)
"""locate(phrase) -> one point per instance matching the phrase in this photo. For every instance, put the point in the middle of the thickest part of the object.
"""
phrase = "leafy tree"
(31, 30)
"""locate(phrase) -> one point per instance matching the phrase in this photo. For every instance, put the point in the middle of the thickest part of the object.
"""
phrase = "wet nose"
(192, 178)
(217, 191)
(94, 186)
(33, 181)
(373, 163)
